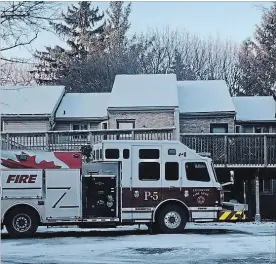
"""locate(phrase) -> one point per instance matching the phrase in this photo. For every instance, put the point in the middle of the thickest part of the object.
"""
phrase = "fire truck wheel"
(22, 223)
(172, 219)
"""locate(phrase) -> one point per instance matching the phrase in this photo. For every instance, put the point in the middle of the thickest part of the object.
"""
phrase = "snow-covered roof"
(208, 96)
(83, 105)
(144, 90)
(255, 108)
(30, 100)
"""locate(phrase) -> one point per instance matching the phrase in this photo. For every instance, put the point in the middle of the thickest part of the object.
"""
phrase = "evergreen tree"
(258, 57)
(116, 41)
(80, 30)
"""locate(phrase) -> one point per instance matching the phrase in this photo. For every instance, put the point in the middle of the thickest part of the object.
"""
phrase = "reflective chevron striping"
(224, 215)
(231, 215)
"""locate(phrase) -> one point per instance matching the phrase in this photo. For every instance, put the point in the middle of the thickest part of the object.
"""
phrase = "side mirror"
(232, 176)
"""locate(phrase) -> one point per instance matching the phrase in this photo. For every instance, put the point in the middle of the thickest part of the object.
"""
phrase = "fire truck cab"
(163, 184)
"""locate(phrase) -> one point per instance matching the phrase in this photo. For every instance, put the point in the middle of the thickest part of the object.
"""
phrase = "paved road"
(221, 244)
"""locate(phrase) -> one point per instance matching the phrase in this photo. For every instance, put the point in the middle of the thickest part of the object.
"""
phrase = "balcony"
(235, 150)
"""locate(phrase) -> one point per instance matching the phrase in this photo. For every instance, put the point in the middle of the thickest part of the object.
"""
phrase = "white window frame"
(126, 121)
(254, 129)
(102, 123)
(79, 124)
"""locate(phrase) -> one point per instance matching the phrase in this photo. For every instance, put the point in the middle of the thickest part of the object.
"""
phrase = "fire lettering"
(21, 178)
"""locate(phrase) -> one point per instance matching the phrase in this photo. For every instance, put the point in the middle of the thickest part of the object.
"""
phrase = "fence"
(237, 150)
(73, 140)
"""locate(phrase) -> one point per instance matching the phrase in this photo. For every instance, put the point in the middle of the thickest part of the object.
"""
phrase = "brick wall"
(147, 119)
(199, 124)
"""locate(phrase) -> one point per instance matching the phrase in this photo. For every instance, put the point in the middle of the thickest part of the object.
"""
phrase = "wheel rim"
(22, 223)
(172, 220)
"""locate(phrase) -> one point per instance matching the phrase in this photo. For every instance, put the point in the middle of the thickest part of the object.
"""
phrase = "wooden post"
(47, 147)
(176, 125)
(265, 150)
(225, 151)
(257, 194)
(8, 141)
(244, 192)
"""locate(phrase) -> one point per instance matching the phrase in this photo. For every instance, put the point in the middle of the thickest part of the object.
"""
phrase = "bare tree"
(21, 22)
(16, 74)
(189, 56)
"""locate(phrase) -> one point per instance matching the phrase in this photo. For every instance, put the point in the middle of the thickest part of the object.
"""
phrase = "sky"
(229, 20)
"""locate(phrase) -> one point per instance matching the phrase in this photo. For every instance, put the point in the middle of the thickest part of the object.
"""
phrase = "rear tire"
(22, 222)
(172, 219)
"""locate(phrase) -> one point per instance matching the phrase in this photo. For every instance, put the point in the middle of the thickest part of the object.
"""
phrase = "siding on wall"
(143, 119)
(202, 124)
(26, 126)
(61, 125)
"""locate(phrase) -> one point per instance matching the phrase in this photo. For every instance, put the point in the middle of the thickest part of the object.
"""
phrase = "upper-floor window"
(75, 127)
(219, 128)
(255, 129)
(125, 124)
(197, 171)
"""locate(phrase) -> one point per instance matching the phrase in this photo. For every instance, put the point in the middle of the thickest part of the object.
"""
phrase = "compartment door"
(63, 197)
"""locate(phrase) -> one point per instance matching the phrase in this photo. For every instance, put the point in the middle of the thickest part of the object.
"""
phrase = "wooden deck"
(73, 140)
(235, 150)
(226, 150)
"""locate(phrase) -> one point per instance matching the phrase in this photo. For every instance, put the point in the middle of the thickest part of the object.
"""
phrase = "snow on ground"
(220, 243)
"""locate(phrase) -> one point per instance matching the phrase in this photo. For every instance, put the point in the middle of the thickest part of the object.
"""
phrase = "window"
(76, 127)
(214, 172)
(104, 125)
(149, 171)
(238, 129)
(197, 171)
(219, 128)
(149, 153)
(125, 124)
(248, 129)
(266, 186)
(112, 153)
(97, 154)
(126, 153)
(258, 129)
(171, 171)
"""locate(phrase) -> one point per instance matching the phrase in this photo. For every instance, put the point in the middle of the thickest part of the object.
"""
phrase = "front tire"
(22, 223)
(172, 219)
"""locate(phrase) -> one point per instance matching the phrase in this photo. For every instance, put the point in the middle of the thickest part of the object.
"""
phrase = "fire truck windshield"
(214, 171)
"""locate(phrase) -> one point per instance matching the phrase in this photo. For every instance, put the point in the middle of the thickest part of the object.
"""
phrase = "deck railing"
(226, 150)
(73, 140)
(236, 150)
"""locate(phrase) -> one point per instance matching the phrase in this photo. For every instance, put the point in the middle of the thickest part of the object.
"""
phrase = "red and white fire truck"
(162, 184)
